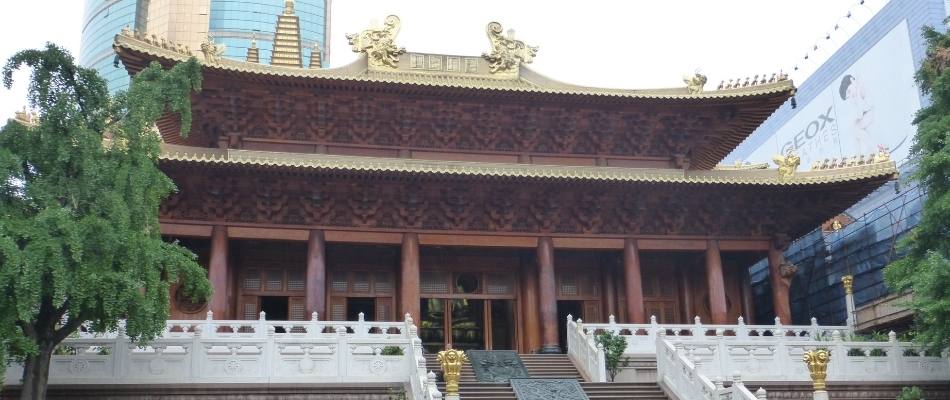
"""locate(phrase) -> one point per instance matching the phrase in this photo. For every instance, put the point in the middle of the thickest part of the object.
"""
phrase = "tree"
(925, 270)
(614, 346)
(79, 197)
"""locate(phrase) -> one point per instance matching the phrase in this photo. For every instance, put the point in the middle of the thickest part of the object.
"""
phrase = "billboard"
(871, 105)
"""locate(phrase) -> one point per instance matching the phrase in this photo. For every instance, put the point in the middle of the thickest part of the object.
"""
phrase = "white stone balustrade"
(641, 338)
(681, 377)
(587, 355)
(247, 351)
(781, 360)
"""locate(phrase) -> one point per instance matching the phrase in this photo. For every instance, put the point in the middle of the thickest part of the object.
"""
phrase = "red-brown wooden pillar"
(316, 274)
(633, 282)
(748, 312)
(608, 273)
(716, 283)
(218, 272)
(529, 302)
(409, 276)
(547, 287)
(780, 301)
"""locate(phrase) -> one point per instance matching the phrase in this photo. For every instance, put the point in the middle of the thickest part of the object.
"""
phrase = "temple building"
(480, 197)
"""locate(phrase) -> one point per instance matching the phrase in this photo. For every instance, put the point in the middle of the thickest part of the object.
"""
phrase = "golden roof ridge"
(529, 81)
(769, 177)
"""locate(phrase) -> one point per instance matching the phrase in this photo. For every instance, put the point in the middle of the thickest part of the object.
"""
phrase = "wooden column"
(409, 277)
(547, 287)
(714, 279)
(529, 307)
(632, 282)
(748, 312)
(316, 274)
(608, 274)
(218, 272)
(687, 295)
(780, 301)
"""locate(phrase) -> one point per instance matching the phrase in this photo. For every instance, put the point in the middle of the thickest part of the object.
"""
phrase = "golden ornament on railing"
(452, 361)
(817, 362)
(848, 282)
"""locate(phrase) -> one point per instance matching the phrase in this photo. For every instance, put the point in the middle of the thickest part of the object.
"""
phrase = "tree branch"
(64, 331)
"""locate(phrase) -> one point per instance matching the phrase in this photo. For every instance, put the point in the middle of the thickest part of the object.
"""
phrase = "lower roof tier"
(369, 193)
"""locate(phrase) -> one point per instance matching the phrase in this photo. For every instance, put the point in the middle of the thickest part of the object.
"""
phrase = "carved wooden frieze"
(459, 205)
(372, 119)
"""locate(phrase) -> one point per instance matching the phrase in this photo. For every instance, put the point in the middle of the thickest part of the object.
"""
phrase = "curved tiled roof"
(527, 81)
(325, 162)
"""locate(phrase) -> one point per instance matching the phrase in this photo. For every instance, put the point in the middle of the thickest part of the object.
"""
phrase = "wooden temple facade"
(482, 198)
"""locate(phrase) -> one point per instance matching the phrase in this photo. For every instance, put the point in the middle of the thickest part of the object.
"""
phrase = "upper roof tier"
(487, 108)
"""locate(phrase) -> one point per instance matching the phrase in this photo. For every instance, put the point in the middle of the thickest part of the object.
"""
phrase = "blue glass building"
(235, 22)
(102, 20)
(232, 22)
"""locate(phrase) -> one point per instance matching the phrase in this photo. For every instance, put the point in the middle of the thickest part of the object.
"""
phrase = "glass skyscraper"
(102, 20)
(235, 22)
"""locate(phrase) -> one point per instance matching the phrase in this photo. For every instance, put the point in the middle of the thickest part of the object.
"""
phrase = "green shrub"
(392, 351)
(614, 346)
(911, 393)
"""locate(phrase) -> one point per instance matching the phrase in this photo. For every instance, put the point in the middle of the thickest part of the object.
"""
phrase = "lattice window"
(252, 279)
(296, 280)
(361, 282)
(250, 310)
(297, 312)
(383, 310)
(434, 282)
(498, 284)
(667, 288)
(338, 312)
(383, 283)
(589, 283)
(569, 285)
(339, 282)
(275, 280)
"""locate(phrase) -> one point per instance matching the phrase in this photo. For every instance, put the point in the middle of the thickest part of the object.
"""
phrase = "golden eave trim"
(358, 72)
(326, 162)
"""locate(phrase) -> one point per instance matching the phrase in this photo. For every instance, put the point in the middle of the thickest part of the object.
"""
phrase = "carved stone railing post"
(451, 361)
(817, 362)
(848, 282)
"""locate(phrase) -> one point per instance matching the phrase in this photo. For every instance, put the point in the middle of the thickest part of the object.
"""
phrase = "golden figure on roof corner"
(379, 43)
(695, 83)
(787, 164)
(506, 52)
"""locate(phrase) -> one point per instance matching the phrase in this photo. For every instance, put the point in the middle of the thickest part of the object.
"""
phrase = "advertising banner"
(871, 105)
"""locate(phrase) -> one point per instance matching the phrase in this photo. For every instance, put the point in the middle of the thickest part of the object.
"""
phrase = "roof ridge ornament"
(379, 43)
(695, 83)
(211, 50)
(507, 54)
(752, 81)
(787, 164)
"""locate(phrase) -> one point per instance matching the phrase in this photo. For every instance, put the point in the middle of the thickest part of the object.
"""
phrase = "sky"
(621, 44)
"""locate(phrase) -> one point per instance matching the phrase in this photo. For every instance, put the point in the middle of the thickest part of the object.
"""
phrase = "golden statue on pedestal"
(817, 362)
(452, 361)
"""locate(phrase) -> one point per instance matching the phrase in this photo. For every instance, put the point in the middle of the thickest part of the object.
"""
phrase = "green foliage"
(392, 351)
(397, 394)
(79, 198)
(614, 346)
(926, 269)
(910, 393)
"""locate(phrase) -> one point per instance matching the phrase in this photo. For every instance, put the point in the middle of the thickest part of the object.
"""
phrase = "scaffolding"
(861, 248)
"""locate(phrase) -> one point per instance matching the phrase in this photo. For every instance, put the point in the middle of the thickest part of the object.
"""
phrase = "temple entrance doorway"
(357, 305)
(467, 324)
(573, 308)
(275, 308)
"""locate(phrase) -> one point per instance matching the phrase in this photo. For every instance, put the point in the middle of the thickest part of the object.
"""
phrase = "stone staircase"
(547, 366)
